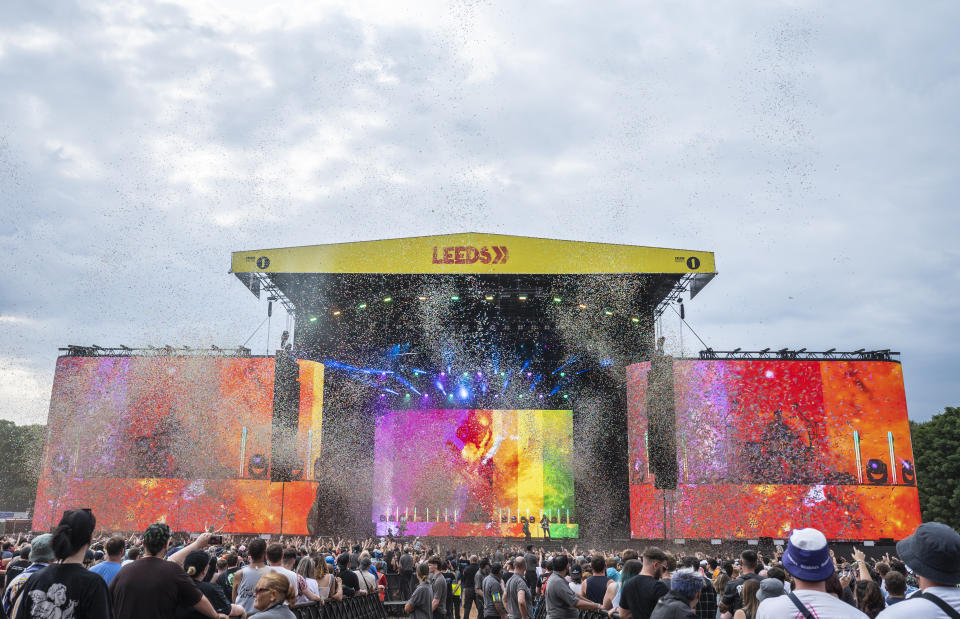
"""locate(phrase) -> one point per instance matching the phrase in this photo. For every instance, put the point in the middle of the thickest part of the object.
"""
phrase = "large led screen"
(765, 446)
(182, 439)
(474, 472)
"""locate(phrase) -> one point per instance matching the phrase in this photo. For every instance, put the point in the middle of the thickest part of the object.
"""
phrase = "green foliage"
(936, 449)
(21, 448)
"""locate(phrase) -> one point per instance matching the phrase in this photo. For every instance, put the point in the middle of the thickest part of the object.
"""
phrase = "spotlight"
(876, 471)
(489, 297)
(635, 319)
(336, 313)
(582, 306)
(257, 466)
(455, 298)
(608, 312)
(907, 474)
(557, 300)
(422, 298)
(363, 306)
(387, 299)
(522, 297)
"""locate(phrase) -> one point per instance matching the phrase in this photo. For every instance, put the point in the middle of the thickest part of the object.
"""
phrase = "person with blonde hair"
(272, 591)
(328, 585)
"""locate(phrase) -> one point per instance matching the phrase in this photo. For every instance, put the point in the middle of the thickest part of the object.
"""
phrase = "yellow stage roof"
(473, 253)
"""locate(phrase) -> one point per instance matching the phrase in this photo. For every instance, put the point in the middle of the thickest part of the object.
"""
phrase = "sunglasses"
(259, 590)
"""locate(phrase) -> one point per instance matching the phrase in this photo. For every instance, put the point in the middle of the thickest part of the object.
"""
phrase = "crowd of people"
(71, 573)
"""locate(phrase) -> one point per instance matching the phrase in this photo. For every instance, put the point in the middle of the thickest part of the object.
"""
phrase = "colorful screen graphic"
(185, 439)
(474, 472)
(766, 446)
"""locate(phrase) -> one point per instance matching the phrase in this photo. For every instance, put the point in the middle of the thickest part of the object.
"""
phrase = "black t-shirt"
(224, 581)
(62, 589)
(731, 593)
(640, 595)
(349, 579)
(152, 588)
(15, 568)
(468, 574)
(213, 593)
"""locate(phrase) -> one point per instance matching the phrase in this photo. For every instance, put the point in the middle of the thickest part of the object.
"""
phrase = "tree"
(21, 449)
(936, 450)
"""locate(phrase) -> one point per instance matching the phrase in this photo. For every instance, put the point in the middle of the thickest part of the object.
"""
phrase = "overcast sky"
(812, 146)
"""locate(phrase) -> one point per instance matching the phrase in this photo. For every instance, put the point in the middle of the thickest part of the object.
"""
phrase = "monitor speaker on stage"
(661, 423)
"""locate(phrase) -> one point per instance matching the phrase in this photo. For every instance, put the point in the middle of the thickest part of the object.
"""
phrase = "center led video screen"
(186, 440)
(765, 446)
(474, 473)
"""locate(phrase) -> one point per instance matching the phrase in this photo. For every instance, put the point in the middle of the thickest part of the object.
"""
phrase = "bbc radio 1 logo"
(262, 261)
(693, 263)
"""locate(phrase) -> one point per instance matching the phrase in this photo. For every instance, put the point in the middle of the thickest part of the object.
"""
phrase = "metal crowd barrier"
(360, 607)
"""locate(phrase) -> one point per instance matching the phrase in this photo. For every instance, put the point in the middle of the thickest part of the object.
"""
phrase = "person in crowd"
(306, 569)
(681, 600)
(17, 565)
(439, 585)
(41, 554)
(868, 597)
(748, 600)
(595, 587)
(707, 602)
(493, 594)
(748, 571)
(420, 603)
(328, 586)
(517, 596)
(406, 564)
(478, 579)
(348, 578)
(66, 587)
(225, 580)
(153, 587)
(383, 584)
(468, 586)
(366, 581)
(575, 577)
(282, 560)
(561, 602)
(640, 594)
(631, 568)
(245, 580)
(195, 565)
(274, 594)
(807, 559)
(133, 553)
(770, 588)
(109, 568)
(896, 585)
(532, 562)
(453, 589)
(933, 554)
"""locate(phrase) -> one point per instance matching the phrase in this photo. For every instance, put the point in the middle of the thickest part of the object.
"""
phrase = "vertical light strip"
(893, 460)
(243, 452)
(856, 450)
